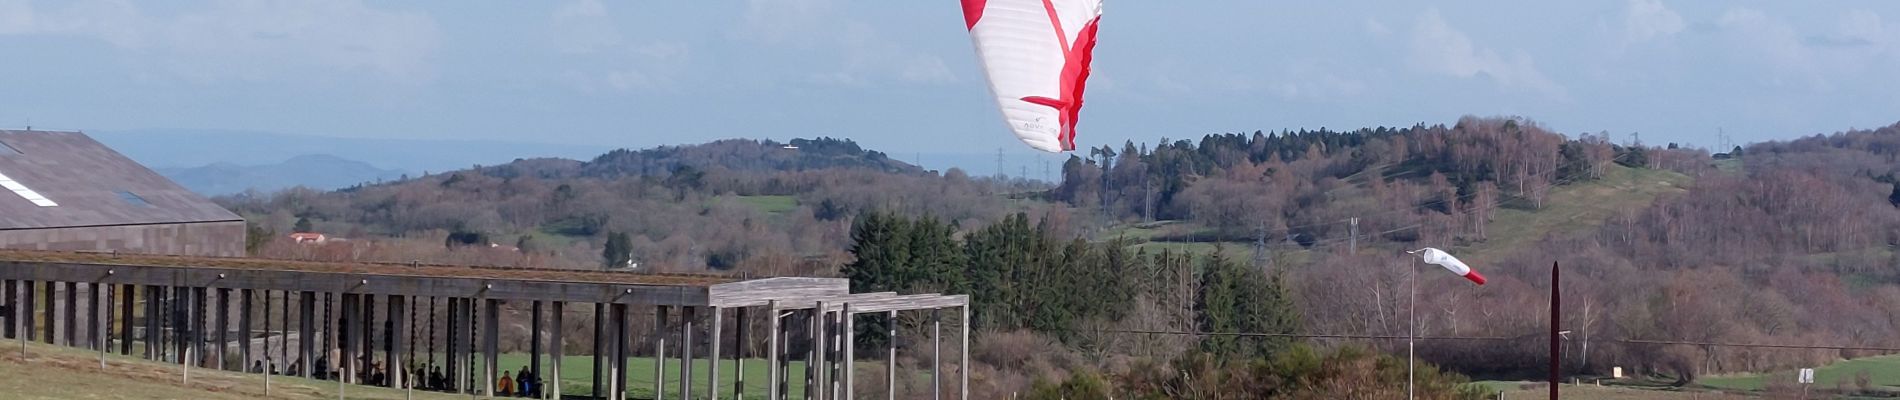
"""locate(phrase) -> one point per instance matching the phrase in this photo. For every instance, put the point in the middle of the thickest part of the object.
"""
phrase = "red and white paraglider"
(1443, 259)
(1036, 55)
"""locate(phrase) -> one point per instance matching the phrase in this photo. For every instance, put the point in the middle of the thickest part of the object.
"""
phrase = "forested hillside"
(1285, 232)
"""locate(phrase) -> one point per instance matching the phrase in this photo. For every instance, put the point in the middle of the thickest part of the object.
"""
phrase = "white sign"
(1807, 375)
(1616, 372)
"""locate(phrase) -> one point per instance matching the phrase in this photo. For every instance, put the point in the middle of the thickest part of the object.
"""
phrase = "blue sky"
(901, 76)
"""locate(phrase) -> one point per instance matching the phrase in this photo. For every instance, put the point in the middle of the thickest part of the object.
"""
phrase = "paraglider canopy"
(1035, 54)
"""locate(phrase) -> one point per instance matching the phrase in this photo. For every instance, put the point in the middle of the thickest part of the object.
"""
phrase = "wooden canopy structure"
(181, 309)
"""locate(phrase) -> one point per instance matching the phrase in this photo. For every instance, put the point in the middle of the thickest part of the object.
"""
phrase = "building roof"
(65, 179)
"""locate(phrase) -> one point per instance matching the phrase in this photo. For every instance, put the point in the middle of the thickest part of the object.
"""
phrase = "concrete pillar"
(393, 355)
(557, 348)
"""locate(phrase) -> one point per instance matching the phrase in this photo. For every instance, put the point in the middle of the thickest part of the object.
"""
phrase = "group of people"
(523, 383)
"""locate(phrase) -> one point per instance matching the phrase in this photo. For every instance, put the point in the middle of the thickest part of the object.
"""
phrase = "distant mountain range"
(317, 171)
(170, 148)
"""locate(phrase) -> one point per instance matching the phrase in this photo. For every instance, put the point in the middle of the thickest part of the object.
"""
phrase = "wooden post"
(774, 372)
(12, 293)
(936, 355)
(740, 351)
(28, 310)
(963, 362)
(52, 315)
(244, 327)
(450, 345)
(622, 350)
(659, 352)
(491, 347)
(393, 355)
(600, 351)
(686, 352)
(557, 348)
(712, 359)
(815, 364)
(848, 345)
(128, 299)
(366, 345)
(534, 339)
(71, 338)
(890, 358)
(224, 327)
(306, 311)
(200, 326)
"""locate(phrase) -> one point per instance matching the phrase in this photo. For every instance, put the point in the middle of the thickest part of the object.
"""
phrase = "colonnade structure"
(298, 317)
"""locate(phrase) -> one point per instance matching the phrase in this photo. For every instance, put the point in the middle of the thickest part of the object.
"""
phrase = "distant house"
(309, 238)
(65, 191)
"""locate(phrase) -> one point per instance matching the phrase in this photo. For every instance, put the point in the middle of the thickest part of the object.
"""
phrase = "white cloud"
(776, 21)
(1437, 47)
(649, 66)
(1649, 19)
(582, 26)
(245, 39)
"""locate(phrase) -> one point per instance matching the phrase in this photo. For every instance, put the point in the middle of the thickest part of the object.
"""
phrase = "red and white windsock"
(1440, 257)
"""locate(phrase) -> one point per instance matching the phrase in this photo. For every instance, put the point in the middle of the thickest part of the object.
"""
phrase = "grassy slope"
(770, 205)
(577, 377)
(1578, 207)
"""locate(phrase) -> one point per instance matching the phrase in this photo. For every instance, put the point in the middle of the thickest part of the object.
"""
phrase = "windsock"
(1440, 257)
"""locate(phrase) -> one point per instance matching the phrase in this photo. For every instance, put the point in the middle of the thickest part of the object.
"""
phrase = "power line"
(1479, 338)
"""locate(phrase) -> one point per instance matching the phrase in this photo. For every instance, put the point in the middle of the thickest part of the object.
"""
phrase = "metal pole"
(659, 353)
(1556, 305)
(1411, 331)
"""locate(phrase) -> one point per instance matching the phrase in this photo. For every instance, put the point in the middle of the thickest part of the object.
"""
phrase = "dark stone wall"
(216, 239)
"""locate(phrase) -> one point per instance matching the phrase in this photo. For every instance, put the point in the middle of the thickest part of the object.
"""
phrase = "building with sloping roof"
(66, 191)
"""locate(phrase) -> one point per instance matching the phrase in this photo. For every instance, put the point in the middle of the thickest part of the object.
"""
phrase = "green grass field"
(1885, 371)
(1578, 207)
(577, 375)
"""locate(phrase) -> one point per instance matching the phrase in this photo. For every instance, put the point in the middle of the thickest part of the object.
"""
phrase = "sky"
(901, 76)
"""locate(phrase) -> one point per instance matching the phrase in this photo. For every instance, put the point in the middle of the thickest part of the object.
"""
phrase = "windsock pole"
(1556, 304)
